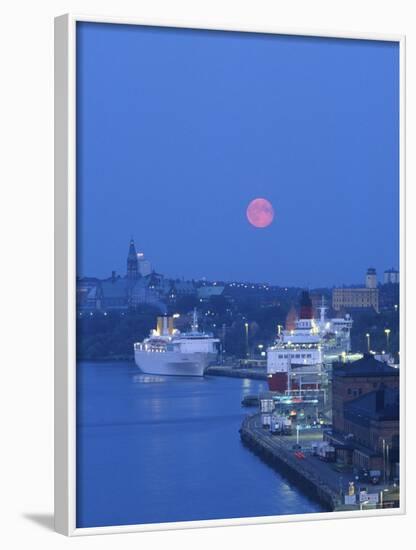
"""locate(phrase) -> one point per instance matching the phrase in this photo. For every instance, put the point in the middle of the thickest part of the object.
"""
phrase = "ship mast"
(322, 309)
(194, 325)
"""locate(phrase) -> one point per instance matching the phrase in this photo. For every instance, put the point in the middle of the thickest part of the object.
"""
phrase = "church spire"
(132, 263)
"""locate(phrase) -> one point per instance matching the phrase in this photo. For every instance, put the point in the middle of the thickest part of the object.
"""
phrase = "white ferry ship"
(167, 351)
(295, 361)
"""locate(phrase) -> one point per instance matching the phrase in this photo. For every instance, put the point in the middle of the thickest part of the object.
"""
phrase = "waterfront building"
(351, 380)
(372, 423)
(369, 439)
(368, 297)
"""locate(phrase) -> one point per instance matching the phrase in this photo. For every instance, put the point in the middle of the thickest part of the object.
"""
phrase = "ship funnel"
(164, 325)
(306, 306)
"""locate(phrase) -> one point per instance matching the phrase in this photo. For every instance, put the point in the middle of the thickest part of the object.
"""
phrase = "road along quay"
(315, 478)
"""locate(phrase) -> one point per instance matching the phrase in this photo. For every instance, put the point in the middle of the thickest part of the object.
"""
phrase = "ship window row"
(296, 356)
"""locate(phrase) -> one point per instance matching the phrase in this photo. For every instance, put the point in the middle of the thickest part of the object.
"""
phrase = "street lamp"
(279, 328)
(387, 332)
(246, 328)
(368, 341)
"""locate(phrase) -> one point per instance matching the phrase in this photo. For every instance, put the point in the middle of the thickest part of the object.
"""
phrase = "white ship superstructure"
(169, 352)
(335, 334)
(295, 361)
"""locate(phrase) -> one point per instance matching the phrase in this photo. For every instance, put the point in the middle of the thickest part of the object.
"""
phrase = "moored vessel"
(169, 352)
(296, 360)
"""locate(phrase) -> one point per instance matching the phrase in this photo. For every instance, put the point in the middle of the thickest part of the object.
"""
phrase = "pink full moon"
(260, 213)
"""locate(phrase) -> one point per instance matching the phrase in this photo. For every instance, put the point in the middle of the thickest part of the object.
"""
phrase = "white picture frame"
(65, 277)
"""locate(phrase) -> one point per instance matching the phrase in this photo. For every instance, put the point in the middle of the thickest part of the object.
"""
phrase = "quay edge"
(236, 372)
(284, 463)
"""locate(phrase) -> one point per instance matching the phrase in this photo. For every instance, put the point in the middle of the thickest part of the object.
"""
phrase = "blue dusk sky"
(178, 130)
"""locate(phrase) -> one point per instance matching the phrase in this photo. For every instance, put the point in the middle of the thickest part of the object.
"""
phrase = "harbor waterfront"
(294, 457)
(279, 454)
(253, 373)
(164, 449)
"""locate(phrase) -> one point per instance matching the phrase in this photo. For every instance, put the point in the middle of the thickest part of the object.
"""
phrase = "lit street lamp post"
(246, 328)
(387, 332)
(368, 342)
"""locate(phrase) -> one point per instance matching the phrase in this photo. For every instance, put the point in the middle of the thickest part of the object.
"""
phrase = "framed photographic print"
(229, 223)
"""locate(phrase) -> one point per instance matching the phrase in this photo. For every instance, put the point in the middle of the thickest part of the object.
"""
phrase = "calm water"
(169, 450)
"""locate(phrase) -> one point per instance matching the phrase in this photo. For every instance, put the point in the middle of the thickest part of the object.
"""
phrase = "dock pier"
(255, 373)
(281, 457)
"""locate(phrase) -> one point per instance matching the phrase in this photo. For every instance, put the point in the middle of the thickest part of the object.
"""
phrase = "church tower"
(132, 263)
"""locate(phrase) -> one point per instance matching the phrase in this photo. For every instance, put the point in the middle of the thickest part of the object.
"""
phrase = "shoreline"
(284, 462)
(252, 373)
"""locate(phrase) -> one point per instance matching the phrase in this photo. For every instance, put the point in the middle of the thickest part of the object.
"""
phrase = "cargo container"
(281, 425)
(266, 420)
(266, 405)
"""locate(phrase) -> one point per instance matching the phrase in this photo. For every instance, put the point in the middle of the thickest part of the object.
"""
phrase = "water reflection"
(159, 449)
(148, 379)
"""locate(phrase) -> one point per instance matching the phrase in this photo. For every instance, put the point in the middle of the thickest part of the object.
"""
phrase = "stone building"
(365, 413)
(372, 423)
(366, 297)
(351, 380)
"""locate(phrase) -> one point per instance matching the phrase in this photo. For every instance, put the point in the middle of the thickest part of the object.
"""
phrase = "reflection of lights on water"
(246, 383)
(146, 379)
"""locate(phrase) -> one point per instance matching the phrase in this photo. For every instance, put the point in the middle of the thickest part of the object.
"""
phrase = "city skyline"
(141, 255)
(175, 161)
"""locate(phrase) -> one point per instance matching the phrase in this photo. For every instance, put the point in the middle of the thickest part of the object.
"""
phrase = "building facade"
(365, 414)
(351, 298)
(373, 422)
(351, 380)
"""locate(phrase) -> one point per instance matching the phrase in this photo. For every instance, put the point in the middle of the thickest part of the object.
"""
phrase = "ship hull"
(172, 363)
(278, 382)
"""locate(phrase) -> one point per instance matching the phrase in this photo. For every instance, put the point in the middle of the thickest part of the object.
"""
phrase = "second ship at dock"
(296, 360)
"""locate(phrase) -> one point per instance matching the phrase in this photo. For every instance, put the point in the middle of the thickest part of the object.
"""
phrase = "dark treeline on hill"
(111, 335)
(368, 321)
